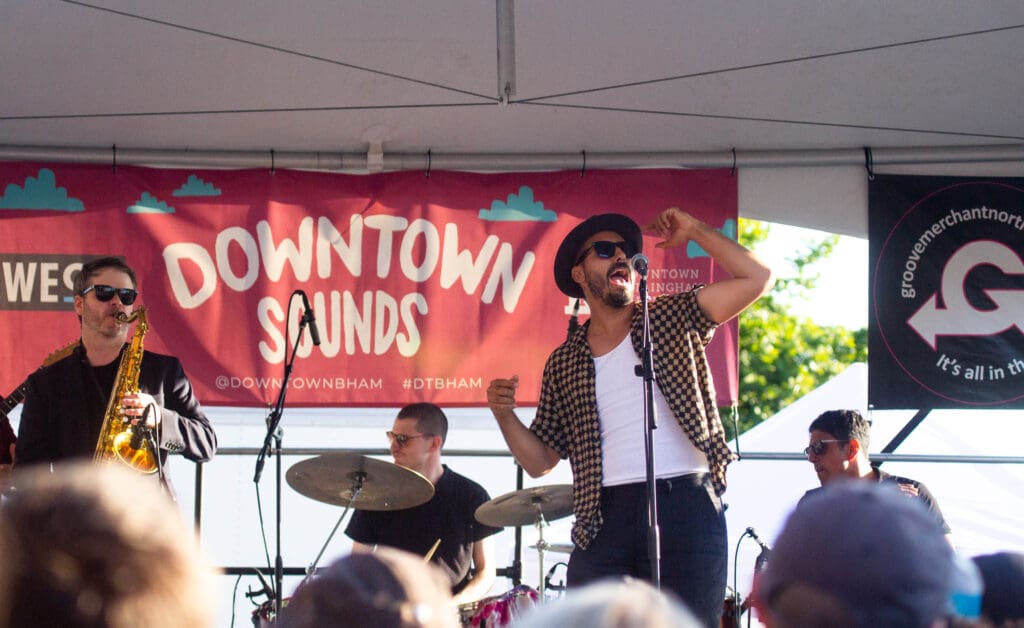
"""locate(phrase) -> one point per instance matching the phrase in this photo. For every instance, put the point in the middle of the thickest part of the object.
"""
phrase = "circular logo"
(948, 295)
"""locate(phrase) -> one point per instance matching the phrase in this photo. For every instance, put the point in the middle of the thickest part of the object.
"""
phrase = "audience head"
(627, 603)
(388, 588)
(857, 554)
(97, 546)
(1002, 603)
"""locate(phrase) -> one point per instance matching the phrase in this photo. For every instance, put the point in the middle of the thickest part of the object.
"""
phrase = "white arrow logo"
(960, 318)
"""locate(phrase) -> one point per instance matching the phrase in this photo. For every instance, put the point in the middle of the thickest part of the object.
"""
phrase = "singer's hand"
(134, 406)
(501, 394)
(674, 226)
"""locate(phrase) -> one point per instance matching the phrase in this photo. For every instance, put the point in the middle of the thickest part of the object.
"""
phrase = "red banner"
(424, 288)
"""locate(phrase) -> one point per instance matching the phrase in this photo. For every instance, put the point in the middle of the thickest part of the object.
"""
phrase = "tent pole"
(357, 162)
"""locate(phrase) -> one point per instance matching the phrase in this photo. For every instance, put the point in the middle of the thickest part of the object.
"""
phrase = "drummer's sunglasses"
(106, 293)
(402, 439)
(606, 249)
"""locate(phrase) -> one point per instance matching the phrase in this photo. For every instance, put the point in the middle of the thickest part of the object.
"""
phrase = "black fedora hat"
(569, 250)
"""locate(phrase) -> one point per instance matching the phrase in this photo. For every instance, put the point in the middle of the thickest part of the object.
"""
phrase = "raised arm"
(530, 451)
(723, 299)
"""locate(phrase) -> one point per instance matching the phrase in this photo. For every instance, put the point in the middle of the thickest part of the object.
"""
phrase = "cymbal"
(334, 478)
(524, 507)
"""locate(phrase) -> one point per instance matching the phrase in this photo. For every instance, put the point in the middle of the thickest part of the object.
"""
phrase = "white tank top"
(620, 410)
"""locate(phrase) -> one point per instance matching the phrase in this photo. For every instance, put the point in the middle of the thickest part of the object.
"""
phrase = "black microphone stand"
(646, 370)
(274, 433)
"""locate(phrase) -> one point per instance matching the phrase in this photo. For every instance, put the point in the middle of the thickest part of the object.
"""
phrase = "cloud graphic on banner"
(196, 187)
(148, 204)
(728, 230)
(40, 193)
(518, 208)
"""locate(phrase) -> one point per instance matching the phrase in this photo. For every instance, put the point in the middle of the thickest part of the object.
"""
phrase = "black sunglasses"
(606, 249)
(818, 447)
(106, 293)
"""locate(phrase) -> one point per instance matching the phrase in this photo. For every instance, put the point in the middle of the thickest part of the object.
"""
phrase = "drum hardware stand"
(541, 546)
(357, 487)
(645, 370)
(274, 433)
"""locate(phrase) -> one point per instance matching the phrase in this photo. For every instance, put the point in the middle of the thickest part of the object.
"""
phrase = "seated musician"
(67, 401)
(445, 525)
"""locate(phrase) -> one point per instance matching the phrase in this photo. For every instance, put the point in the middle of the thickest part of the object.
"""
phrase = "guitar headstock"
(61, 353)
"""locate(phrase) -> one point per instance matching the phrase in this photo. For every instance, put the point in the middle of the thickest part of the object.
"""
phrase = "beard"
(604, 291)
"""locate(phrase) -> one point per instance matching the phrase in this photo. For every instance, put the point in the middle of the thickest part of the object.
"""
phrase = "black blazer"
(58, 422)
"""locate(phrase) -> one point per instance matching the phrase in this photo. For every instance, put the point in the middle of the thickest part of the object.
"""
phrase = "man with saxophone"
(68, 404)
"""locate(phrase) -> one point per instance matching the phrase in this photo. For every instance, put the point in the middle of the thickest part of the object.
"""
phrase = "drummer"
(443, 528)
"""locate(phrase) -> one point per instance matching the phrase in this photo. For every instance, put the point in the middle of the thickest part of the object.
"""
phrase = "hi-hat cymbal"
(350, 479)
(524, 507)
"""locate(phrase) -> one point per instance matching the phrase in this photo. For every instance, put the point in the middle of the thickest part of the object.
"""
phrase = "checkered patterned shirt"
(567, 419)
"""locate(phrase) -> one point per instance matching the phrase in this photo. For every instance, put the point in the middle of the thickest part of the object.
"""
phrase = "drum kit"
(358, 482)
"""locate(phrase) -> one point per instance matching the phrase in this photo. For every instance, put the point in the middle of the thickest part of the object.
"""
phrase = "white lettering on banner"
(442, 383)
(262, 252)
(19, 280)
(227, 382)
(300, 257)
(959, 317)
(174, 255)
(674, 273)
(245, 242)
(950, 220)
(330, 240)
(372, 327)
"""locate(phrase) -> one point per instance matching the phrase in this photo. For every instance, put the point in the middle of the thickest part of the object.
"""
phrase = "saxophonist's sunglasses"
(106, 293)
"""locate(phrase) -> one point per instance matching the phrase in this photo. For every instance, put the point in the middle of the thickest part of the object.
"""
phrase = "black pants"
(694, 546)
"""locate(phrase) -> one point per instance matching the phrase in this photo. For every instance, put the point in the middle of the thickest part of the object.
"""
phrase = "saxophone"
(115, 442)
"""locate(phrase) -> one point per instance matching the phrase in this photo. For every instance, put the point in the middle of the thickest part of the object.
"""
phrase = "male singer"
(591, 408)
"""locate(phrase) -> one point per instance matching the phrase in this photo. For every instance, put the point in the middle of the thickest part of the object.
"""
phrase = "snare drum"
(501, 610)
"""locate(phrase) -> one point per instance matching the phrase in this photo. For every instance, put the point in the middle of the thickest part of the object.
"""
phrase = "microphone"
(639, 263)
(314, 333)
(764, 546)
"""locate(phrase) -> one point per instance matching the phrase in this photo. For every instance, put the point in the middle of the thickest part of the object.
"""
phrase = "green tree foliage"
(783, 355)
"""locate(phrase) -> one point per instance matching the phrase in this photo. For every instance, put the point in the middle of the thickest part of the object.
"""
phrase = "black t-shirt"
(911, 488)
(449, 516)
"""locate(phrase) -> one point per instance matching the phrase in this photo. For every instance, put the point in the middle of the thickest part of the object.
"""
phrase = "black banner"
(946, 327)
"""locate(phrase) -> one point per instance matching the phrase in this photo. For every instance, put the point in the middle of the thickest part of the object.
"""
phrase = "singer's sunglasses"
(106, 293)
(403, 439)
(606, 249)
(818, 447)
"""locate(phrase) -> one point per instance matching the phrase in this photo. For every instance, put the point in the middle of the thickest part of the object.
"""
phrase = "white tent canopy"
(794, 84)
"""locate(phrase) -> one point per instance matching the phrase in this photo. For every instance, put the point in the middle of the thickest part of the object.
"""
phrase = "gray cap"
(878, 551)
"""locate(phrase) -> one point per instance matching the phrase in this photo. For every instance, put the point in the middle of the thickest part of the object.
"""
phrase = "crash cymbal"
(335, 477)
(525, 507)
